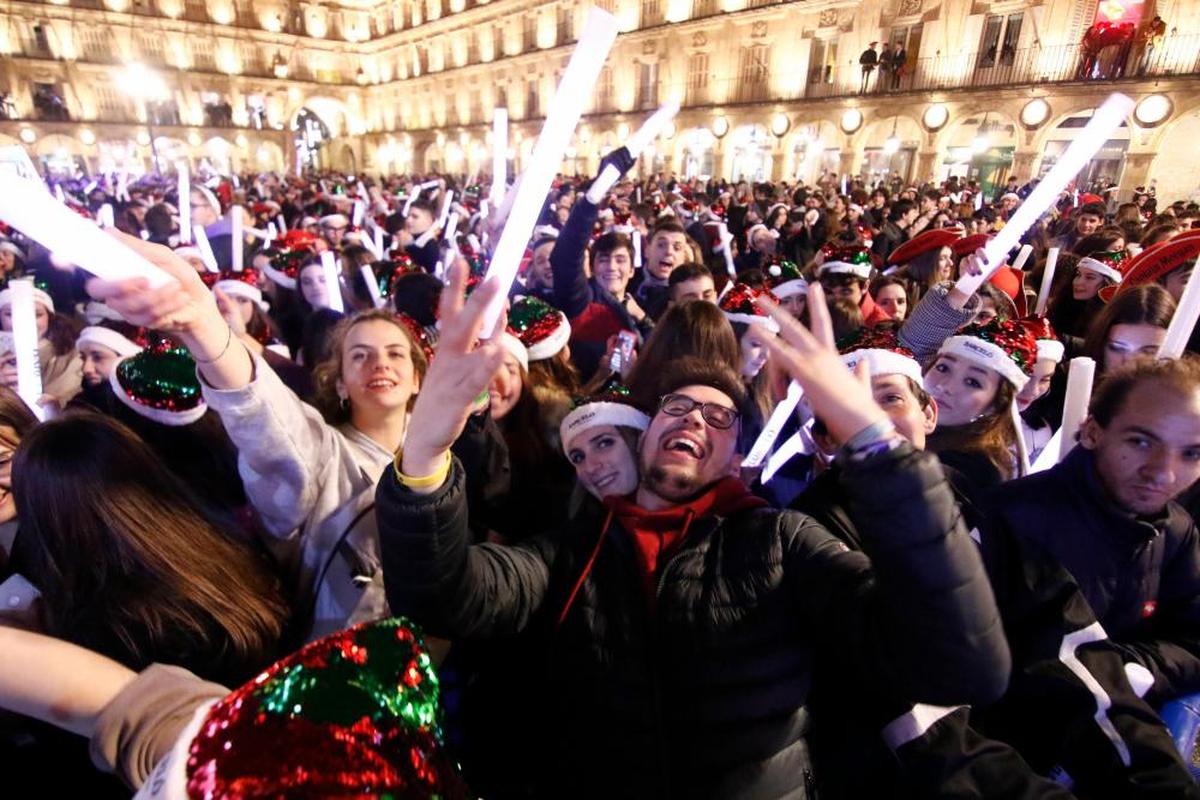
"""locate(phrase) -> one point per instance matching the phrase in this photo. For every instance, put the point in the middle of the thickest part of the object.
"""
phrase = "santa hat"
(1110, 265)
(851, 260)
(515, 348)
(160, 384)
(242, 284)
(334, 221)
(1049, 348)
(543, 329)
(757, 228)
(96, 310)
(1156, 262)
(882, 351)
(924, 242)
(739, 305)
(612, 406)
(39, 296)
(355, 713)
(784, 278)
(1005, 347)
(120, 337)
(292, 250)
(9, 246)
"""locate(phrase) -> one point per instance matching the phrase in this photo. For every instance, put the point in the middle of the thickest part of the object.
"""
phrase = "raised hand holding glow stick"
(1184, 320)
(1108, 118)
(329, 267)
(636, 144)
(1047, 281)
(206, 252)
(28, 207)
(237, 238)
(573, 93)
(1080, 376)
(25, 343)
(499, 154)
(185, 203)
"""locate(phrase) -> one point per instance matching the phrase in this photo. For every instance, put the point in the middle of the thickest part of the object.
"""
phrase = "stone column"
(1022, 165)
(926, 166)
(1136, 173)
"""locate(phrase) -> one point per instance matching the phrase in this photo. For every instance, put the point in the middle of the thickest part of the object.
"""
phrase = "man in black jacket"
(895, 231)
(869, 60)
(1107, 514)
(1049, 713)
(684, 624)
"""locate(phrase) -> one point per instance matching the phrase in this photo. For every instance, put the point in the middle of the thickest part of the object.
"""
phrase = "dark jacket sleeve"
(921, 615)
(434, 575)
(572, 293)
(426, 256)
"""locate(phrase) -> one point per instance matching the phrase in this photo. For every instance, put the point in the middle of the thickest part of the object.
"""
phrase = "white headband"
(985, 354)
(601, 412)
(107, 337)
(884, 362)
(1100, 268)
(38, 296)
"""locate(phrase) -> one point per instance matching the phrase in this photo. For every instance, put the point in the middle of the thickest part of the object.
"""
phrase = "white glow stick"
(25, 343)
(636, 144)
(360, 210)
(1019, 431)
(770, 432)
(798, 443)
(1022, 256)
(845, 187)
(1049, 455)
(282, 224)
(91, 187)
(978, 202)
(1108, 118)
(451, 229)
(272, 232)
(499, 154)
(378, 239)
(185, 204)
(368, 275)
(123, 184)
(727, 250)
(238, 238)
(1184, 320)
(445, 213)
(637, 249)
(58, 194)
(105, 216)
(573, 93)
(28, 207)
(206, 252)
(1047, 281)
(1080, 376)
(329, 267)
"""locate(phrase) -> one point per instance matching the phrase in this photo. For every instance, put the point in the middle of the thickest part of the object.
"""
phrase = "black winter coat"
(707, 697)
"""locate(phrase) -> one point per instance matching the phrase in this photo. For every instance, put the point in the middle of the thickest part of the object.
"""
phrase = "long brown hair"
(129, 564)
(1148, 304)
(696, 328)
(327, 373)
(992, 435)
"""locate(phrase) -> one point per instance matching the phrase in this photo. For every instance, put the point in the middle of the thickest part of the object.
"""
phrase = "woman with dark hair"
(686, 329)
(1074, 301)
(61, 370)
(1133, 324)
(129, 564)
(1105, 240)
(310, 476)
(16, 422)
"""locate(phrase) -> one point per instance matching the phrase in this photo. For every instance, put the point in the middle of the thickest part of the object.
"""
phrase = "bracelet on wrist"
(224, 350)
(430, 481)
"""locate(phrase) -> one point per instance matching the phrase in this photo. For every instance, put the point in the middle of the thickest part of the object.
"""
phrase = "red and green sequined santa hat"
(541, 327)
(289, 254)
(612, 405)
(1005, 347)
(784, 278)
(355, 714)
(739, 305)
(881, 349)
(160, 383)
(852, 260)
(1049, 347)
(1109, 265)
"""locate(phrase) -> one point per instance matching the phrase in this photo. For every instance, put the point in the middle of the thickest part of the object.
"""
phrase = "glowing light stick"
(25, 343)
(272, 232)
(636, 144)
(329, 267)
(499, 154)
(282, 224)
(637, 249)
(185, 204)
(28, 207)
(206, 252)
(770, 432)
(1047, 281)
(1080, 376)
(1108, 118)
(237, 240)
(1184, 320)
(445, 213)
(368, 275)
(727, 250)
(105, 216)
(360, 209)
(58, 194)
(1022, 256)
(379, 242)
(573, 93)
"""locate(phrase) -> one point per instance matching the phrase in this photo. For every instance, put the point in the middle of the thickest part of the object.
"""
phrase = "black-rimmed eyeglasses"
(679, 405)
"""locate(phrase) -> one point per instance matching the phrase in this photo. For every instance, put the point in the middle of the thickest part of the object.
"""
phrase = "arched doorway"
(812, 151)
(697, 147)
(61, 156)
(1106, 165)
(309, 134)
(750, 153)
(890, 153)
(1177, 178)
(980, 148)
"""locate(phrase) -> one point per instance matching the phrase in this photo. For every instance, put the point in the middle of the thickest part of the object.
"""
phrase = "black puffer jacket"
(1140, 576)
(707, 697)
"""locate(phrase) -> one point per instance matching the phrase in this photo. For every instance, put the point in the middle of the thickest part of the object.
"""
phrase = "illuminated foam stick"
(25, 343)
(573, 93)
(368, 276)
(91, 187)
(1047, 281)
(1019, 431)
(206, 252)
(1080, 376)
(636, 144)
(1108, 118)
(28, 207)
(1184, 321)
(416, 192)
(770, 432)
(1022, 256)
(360, 211)
(185, 203)
(58, 194)
(105, 216)
(282, 224)
(272, 232)
(727, 250)
(445, 213)
(329, 267)
(379, 251)
(637, 249)
(237, 238)
(499, 154)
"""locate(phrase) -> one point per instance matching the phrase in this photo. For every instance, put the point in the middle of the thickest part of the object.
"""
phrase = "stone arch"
(1182, 179)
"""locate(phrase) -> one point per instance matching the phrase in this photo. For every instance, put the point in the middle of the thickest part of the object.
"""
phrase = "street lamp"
(892, 145)
(136, 80)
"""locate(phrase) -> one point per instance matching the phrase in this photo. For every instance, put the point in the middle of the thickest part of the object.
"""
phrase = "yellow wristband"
(437, 478)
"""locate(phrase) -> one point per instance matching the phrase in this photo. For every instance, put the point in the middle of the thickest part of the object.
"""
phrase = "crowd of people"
(294, 525)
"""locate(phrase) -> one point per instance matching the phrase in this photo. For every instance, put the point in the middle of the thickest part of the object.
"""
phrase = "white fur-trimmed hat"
(239, 288)
(1004, 347)
(38, 297)
(542, 328)
(602, 410)
(516, 348)
(109, 337)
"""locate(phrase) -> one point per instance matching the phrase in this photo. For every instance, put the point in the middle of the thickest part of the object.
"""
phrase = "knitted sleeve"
(933, 320)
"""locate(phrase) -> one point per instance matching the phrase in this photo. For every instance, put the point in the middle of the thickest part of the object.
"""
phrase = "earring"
(344, 403)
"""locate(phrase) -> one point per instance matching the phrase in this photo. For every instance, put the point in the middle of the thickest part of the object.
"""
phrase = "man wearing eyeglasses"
(682, 622)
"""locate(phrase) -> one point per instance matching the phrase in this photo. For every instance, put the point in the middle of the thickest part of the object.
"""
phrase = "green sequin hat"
(160, 383)
(541, 327)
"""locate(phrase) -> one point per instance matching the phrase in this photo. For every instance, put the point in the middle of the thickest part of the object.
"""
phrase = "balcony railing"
(1178, 55)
